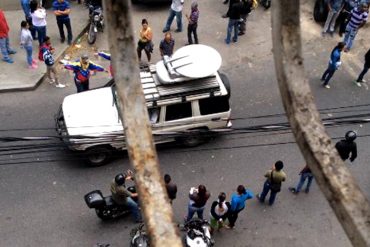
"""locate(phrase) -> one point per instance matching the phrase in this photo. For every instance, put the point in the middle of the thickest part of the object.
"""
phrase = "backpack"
(41, 55)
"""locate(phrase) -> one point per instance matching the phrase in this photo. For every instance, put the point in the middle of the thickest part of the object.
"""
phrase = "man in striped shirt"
(358, 19)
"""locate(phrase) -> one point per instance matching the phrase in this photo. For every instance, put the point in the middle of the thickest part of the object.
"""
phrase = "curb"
(57, 58)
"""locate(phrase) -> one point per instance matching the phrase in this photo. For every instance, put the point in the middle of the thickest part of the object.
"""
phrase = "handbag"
(275, 187)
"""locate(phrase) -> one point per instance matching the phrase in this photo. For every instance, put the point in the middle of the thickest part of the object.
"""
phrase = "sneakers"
(293, 190)
(51, 81)
(60, 85)
(8, 60)
(358, 83)
(327, 86)
(33, 66)
(241, 33)
(12, 52)
(34, 61)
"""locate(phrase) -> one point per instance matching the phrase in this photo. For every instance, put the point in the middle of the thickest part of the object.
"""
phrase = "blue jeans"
(41, 33)
(304, 176)
(329, 72)
(363, 72)
(349, 36)
(232, 25)
(132, 205)
(172, 15)
(26, 8)
(265, 191)
(5, 48)
(192, 210)
(29, 54)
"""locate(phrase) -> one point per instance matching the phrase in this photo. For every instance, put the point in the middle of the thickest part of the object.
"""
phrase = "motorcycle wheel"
(91, 36)
(104, 214)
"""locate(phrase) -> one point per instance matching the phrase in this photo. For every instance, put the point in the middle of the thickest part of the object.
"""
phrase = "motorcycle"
(105, 207)
(96, 21)
(198, 233)
(139, 237)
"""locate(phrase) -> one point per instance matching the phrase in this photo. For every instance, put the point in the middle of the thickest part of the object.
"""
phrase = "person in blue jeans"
(333, 65)
(198, 199)
(358, 19)
(234, 19)
(238, 203)
(38, 15)
(274, 178)
(4, 39)
(122, 196)
(26, 43)
(61, 11)
(175, 10)
(306, 174)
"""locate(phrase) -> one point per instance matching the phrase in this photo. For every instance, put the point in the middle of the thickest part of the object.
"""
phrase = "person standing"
(358, 19)
(82, 71)
(175, 10)
(193, 23)
(219, 212)
(62, 10)
(198, 199)
(231, 2)
(4, 39)
(234, 18)
(167, 45)
(347, 146)
(145, 40)
(39, 21)
(305, 174)
(349, 5)
(274, 178)
(360, 78)
(26, 43)
(170, 187)
(123, 196)
(335, 7)
(47, 52)
(238, 203)
(334, 64)
(27, 15)
(247, 6)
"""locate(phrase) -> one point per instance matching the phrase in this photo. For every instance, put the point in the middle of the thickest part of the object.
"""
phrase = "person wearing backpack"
(47, 52)
(360, 78)
(274, 178)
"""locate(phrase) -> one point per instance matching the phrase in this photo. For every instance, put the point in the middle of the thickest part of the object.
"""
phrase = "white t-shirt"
(39, 18)
(177, 5)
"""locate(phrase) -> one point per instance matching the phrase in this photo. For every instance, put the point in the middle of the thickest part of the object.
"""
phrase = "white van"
(181, 108)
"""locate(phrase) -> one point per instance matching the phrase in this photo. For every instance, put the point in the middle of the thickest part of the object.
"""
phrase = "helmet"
(350, 136)
(120, 179)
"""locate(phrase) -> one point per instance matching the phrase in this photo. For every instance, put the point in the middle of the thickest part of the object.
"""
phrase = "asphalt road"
(42, 201)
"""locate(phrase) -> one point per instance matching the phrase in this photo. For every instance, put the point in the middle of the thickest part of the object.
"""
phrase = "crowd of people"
(225, 213)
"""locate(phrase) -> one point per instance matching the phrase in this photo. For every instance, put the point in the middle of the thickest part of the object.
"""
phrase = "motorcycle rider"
(122, 196)
(347, 146)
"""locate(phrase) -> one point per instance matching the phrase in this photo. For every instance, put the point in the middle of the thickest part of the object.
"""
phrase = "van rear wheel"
(99, 155)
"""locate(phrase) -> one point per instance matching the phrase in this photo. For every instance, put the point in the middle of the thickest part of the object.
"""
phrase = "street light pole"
(154, 203)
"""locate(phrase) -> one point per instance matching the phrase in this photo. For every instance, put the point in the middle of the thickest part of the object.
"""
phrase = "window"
(214, 105)
(178, 111)
(154, 114)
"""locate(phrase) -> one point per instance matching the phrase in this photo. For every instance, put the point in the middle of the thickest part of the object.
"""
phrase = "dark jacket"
(171, 190)
(199, 201)
(246, 7)
(235, 11)
(345, 148)
(217, 216)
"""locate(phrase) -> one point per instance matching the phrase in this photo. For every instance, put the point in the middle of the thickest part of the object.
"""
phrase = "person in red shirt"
(4, 39)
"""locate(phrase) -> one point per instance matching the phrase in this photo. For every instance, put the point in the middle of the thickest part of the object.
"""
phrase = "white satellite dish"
(196, 61)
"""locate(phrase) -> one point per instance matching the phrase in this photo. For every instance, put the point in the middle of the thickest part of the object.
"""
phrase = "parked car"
(187, 99)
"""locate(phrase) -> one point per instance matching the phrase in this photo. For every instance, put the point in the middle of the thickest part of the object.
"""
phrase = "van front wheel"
(99, 155)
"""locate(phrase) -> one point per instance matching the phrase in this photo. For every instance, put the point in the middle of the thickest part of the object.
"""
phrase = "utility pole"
(333, 177)
(154, 204)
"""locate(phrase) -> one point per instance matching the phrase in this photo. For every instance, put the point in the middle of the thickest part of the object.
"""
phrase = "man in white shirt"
(175, 10)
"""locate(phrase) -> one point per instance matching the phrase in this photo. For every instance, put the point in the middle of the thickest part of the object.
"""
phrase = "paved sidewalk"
(17, 76)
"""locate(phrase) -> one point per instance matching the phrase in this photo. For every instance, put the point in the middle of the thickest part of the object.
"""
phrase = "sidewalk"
(17, 76)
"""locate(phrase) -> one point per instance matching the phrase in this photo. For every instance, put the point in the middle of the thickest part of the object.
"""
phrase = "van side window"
(178, 111)
(213, 105)
(154, 114)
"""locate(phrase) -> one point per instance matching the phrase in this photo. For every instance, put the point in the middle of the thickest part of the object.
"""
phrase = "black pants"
(82, 86)
(329, 72)
(233, 216)
(192, 29)
(343, 22)
(67, 23)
